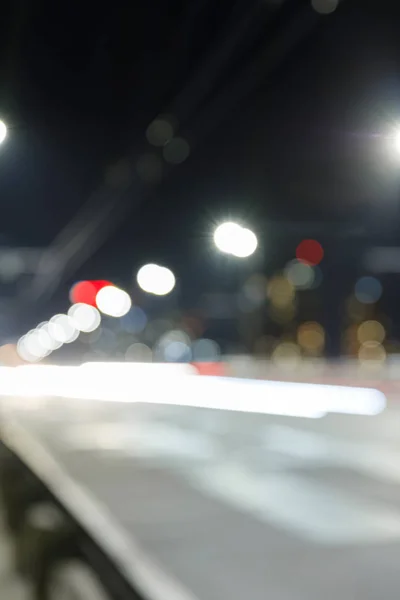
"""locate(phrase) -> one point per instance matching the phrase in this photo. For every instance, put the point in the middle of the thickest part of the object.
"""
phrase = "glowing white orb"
(86, 318)
(3, 131)
(225, 236)
(396, 141)
(246, 244)
(46, 339)
(62, 329)
(113, 301)
(156, 280)
(233, 239)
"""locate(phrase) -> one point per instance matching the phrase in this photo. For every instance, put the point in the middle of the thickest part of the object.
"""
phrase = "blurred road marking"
(375, 460)
(317, 512)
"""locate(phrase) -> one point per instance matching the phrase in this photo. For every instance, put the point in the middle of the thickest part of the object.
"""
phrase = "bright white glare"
(231, 238)
(23, 351)
(86, 318)
(156, 280)
(113, 301)
(225, 236)
(62, 329)
(175, 385)
(396, 141)
(246, 244)
(46, 339)
(3, 131)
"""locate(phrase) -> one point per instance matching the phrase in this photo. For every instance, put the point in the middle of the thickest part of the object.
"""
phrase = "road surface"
(201, 504)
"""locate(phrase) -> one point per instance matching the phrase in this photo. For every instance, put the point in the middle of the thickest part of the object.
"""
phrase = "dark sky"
(287, 124)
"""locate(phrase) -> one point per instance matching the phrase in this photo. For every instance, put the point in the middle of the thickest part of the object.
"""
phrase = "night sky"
(287, 114)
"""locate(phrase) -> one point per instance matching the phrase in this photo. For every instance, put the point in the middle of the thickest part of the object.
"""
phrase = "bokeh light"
(282, 315)
(85, 318)
(225, 236)
(159, 132)
(30, 347)
(173, 346)
(46, 340)
(139, 353)
(372, 354)
(134, 321)
(3, 131)
(204, 350)
(371, 331)
(280, 291)
(396, 141)
(311, 337)
(231, 238)
(300, 274)
(62, 329)
(310, 252)
(157, 280)
(286, 354)
(325, 7)
(113, 301)
(85, 292)
(176, 151)
(368, 290)
(246, 244)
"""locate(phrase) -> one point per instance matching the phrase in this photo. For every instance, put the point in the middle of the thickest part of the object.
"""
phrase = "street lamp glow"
(396, 141)
(3, 131)
(86, 318)
(113, 301)
(156, 280)
(231, 238)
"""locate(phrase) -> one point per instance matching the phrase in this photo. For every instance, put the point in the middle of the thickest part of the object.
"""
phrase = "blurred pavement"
(238, 505)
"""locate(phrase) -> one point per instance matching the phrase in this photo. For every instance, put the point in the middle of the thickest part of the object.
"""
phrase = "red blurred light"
(86, 291)
(310, 252)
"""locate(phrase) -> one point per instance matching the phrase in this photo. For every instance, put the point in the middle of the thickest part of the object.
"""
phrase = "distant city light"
(231, 238)
(62, 329)
(246, 245)
(300, 274)
(324, 7)
(139, 353)
(85, 318)
(204, 350)
(134, 321)
(3, 131)
(281, 291)
(396, 141)
(371, 331)
(310, 252)
(155, 279)
(85, 292)
(113, 301)
(372, 354)
(368, 290)
(311, 337)
(30, 348)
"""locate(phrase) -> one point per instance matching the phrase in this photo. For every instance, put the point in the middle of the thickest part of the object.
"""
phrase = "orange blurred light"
(310, 252)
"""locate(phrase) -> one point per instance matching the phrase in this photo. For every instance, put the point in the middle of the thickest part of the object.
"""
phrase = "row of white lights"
(65, 328)
(61, 329)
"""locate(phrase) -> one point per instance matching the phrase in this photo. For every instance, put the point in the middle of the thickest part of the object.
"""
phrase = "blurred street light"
(157, 280)
(3, 131)
(113, 301)
(231, 238)
(396, 141)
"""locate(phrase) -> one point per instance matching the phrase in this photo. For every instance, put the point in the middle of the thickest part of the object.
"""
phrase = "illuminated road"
(235, 505)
